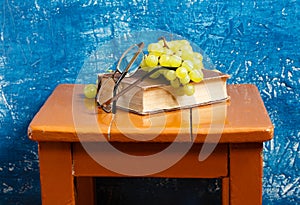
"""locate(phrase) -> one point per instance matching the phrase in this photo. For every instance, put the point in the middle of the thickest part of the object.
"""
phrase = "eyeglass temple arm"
(130, 86)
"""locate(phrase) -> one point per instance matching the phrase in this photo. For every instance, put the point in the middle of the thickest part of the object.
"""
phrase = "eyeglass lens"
(127, 65)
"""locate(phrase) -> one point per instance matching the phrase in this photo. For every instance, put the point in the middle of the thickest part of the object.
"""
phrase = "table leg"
(246, 174)
(57, 182)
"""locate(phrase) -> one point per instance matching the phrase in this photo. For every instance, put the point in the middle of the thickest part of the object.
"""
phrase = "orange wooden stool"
(67, 123)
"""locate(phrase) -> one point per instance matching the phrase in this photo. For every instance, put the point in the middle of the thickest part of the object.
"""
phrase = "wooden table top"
(67, 116)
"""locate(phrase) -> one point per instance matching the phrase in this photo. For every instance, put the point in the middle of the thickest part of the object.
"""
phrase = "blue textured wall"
(44, 43)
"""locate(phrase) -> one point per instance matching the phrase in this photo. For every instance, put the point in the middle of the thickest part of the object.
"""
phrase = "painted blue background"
(45, 43)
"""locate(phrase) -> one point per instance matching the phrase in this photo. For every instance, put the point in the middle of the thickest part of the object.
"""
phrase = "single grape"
(183, 42)
(170, 75)
(196, 75)
(171, 45)
(155, 49)
(181, 72)
(143, 64)
(163, 71)
(199, 65)
(164, 60)
(161, 42)
(179, 91)
(146, 68)
(178, 53)
(188, 65)
(151, 60)
(189, 89)
(196, 61)
(90, 91)
(198, 55)
(185, 80)
(175, 83)
(187, 47)
(154, 46)
(187, 54)
(175, 61)
(167, 51)
(155, 75)
(175, 46)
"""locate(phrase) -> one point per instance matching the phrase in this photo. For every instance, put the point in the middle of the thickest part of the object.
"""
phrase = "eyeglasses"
(127, 65)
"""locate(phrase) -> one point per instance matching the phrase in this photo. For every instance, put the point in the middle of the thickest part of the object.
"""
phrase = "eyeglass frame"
(111, 104)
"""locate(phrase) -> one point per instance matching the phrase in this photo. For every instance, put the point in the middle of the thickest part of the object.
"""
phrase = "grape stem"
(165, 42)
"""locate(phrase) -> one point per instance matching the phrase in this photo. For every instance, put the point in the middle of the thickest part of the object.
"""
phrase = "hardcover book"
(157, 95)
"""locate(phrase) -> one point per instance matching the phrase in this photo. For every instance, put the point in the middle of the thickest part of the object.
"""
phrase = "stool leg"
(225, 191)
(246, 174)
(57, 183)
(85, 191)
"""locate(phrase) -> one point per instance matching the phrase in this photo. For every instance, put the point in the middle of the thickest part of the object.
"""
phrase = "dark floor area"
(160, 191)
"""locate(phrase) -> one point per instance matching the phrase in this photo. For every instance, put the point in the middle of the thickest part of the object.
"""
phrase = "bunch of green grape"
(180, 64)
